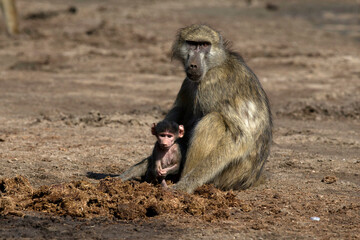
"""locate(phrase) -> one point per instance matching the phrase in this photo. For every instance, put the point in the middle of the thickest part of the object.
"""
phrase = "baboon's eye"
(198, 45)
(192, 44)
(204, 44)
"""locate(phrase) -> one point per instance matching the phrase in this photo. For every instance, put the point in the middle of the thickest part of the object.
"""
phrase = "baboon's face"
(199, 48)
(195, 64)
(166, 139)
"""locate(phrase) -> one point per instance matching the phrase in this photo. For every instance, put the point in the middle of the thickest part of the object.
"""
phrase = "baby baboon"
(166, 156)
(10, 16)
(225, 113)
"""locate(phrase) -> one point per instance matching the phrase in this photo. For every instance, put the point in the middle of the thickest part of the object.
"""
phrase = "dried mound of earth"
(311, 111)
(114, 199)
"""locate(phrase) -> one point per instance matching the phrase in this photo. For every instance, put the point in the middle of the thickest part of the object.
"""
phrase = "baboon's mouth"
(193, 76)
(165, 147)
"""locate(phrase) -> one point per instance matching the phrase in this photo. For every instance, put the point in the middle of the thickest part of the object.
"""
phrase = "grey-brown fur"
(226, 114)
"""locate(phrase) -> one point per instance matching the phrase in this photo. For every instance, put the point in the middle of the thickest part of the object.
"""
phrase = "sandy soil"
(83, 82)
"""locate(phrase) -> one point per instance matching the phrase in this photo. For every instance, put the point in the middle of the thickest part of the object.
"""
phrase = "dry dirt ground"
(83, 82)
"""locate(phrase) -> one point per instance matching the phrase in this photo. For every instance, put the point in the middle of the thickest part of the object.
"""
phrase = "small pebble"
(315, 218)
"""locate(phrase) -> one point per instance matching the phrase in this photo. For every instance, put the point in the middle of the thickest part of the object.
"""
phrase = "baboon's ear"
(153, 129)
(181, 131)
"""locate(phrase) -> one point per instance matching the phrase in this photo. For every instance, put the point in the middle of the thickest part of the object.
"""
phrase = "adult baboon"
(225, 113)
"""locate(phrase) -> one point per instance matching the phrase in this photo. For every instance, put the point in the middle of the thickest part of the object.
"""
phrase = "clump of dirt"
(115, 199)
(43, 15)
(93, 118)
(15, 186)
(30, 65)
(329, 179)
(13, 193)
(312, 111)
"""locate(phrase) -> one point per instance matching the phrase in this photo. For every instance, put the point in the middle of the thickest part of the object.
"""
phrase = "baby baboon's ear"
(153, 129)
(181, 131)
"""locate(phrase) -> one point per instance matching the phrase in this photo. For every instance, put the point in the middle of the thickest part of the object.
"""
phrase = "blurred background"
(82, 81)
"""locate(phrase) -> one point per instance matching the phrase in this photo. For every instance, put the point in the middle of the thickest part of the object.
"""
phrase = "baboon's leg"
(210, 151)
(244, 172)
(238, 175)
(205, 139)
(136, 171)
(10, 16)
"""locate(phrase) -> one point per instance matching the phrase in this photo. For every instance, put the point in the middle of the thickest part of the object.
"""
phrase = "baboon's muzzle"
(194, 69)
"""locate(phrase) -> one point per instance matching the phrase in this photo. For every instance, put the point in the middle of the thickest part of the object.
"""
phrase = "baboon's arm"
(182, 102)
(175, 114)
(173, 169)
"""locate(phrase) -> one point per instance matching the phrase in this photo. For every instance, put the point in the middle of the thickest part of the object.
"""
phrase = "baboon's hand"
(184, 185)
(179, 187)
